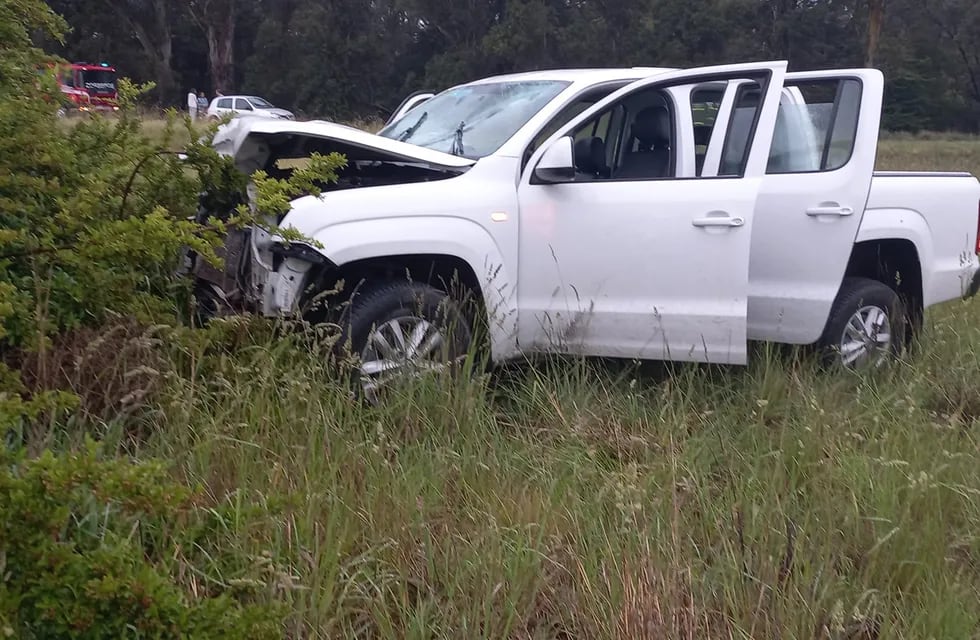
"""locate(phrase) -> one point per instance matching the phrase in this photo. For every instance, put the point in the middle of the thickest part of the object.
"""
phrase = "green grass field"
(930, 153)
(584, 500)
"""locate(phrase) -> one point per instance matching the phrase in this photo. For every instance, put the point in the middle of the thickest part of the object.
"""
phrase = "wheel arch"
(430, 245)
(897, 263)
(446, 272)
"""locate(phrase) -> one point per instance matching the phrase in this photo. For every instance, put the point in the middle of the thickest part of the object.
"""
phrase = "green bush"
(99, 549)
(94, 214)
(89, 213)
(93, 217)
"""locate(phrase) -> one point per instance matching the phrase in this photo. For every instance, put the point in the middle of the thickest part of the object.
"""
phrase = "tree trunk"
(876, 14)
(163, 61)
(221, 49)
(152, 31)
(217, 19)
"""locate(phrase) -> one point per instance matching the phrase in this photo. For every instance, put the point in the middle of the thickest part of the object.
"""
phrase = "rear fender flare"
(900, 224)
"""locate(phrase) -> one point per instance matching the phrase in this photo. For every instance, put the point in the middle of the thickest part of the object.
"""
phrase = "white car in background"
(249, 105)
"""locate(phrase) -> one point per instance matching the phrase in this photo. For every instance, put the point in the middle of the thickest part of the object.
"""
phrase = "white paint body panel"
(238, 138)
(938, 214)
(799, 259)
(449, 217)
(619, 270)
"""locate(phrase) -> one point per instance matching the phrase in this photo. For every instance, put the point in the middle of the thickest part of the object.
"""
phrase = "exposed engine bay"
(365, 167)
(252, 259)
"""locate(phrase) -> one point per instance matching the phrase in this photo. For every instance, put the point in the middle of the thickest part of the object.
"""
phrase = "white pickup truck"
(642, 213)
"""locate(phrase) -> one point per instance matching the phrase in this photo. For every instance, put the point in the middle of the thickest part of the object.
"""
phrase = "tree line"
(357, 58)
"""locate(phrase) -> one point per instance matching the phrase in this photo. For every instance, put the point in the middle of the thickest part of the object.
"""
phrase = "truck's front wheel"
(402, 330)
(867, 326)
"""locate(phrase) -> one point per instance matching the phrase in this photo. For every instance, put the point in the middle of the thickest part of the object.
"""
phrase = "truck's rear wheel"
(401, 331)
(868, 325)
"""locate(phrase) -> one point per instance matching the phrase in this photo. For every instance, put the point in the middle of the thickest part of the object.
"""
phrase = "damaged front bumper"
(294, 262)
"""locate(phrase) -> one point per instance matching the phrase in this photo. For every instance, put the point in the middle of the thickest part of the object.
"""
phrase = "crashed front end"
(266, 274)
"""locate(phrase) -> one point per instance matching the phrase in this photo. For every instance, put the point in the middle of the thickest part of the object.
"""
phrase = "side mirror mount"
(557, 164)
(408, 104)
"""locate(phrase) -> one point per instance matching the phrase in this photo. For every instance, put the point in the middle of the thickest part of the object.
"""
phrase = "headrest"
(702, 134)
(590, 155)
(652, 127)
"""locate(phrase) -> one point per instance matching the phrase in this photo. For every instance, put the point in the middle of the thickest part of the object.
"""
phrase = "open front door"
(812, 200)
(625, 249)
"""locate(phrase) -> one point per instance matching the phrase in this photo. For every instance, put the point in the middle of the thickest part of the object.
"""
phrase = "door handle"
(718, 221)
(830, 210)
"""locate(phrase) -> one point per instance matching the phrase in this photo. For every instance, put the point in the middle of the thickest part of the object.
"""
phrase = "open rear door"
(812, 200)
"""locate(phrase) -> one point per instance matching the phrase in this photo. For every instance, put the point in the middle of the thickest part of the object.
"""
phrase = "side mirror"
(557, 164)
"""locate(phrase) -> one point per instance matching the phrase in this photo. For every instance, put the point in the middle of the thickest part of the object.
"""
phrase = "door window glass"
(632, 140)
(816, 126)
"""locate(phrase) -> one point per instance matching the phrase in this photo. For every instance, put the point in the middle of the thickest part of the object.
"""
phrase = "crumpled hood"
(242, 139)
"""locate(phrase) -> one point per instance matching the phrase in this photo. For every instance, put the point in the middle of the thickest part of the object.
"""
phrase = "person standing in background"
(202, 104)
(192, 104)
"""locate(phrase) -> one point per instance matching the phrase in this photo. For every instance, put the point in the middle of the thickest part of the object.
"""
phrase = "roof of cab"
(577, 75)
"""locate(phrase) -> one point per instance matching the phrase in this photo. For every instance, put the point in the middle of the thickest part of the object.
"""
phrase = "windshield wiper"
(457, 149)
(408, 133)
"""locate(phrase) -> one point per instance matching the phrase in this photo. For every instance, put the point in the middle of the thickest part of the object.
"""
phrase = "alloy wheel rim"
(867, 338)
(402, 348)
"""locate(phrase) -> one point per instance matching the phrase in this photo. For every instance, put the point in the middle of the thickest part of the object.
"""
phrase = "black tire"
(856, 294)
(207, 303)
(375, 307)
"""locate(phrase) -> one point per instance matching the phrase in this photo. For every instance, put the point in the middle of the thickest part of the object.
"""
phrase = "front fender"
(357, 240)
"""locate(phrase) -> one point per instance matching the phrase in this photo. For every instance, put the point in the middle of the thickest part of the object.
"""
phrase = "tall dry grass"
(574, 500)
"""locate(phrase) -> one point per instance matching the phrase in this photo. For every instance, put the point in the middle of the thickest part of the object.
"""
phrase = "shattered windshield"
(474, 120)
(259, 103)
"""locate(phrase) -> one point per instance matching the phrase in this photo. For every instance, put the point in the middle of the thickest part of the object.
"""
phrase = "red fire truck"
(88, 87)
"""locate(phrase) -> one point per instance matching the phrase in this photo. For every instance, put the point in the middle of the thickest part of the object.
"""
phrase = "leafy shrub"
(94, 215)
(93, 549)
(91, 215)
